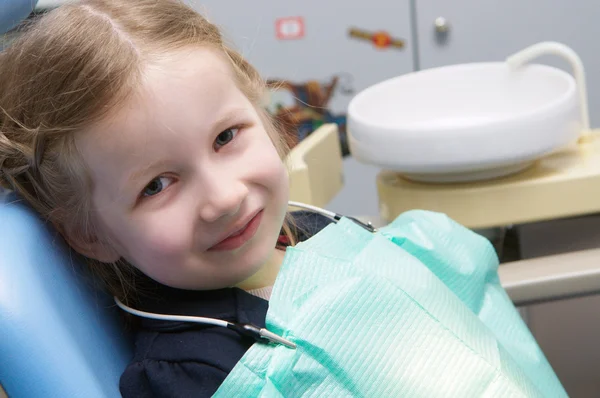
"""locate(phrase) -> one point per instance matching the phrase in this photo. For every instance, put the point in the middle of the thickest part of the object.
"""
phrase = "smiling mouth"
(241, 236)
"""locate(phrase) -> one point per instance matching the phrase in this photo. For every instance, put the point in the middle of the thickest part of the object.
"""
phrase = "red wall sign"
(291, 28)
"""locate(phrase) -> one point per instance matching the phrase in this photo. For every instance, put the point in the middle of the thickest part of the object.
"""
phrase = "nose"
(221, 197)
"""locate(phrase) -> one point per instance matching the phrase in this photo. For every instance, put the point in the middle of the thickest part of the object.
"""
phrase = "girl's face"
(187, 184)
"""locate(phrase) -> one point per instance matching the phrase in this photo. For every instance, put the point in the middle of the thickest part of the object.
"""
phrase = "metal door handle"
(441, 25)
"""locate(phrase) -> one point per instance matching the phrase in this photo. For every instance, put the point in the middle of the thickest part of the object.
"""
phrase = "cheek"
(282, 184)
(267, 163)
(157, 237)
(164, 238)
(273, 178)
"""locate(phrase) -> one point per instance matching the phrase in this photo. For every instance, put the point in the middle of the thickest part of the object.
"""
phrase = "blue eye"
(156, 186)
(226, 137)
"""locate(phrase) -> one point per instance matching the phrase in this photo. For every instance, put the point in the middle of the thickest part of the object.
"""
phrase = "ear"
(92, 247)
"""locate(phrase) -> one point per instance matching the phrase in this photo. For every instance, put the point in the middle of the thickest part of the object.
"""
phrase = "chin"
(257, 254)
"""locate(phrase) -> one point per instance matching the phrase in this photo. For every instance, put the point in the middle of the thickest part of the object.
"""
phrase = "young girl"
(140, 135)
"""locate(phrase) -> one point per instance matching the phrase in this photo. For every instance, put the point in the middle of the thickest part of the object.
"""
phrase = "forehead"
(193, 83)
(180, 96)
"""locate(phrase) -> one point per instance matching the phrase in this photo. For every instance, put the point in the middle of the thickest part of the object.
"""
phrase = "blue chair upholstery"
(12, 12)
(59, 336)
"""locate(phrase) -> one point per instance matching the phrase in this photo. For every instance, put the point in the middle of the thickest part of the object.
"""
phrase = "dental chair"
(59, 336)
(12, 12)
(62, 337)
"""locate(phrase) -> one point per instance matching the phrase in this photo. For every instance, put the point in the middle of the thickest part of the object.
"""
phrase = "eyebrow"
(140, 173)
(229, 117)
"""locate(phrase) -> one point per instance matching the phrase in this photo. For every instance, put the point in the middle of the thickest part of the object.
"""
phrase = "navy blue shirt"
(182, 359)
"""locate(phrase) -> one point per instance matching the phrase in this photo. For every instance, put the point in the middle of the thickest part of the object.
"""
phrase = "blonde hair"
(70, 69)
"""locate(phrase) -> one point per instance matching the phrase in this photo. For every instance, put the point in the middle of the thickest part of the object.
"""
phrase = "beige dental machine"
(489, 144)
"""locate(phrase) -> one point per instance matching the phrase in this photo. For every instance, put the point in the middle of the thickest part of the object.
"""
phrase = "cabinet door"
(326, 50)
(491, 30)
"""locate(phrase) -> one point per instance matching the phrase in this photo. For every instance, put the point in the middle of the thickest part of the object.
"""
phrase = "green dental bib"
(415, 310)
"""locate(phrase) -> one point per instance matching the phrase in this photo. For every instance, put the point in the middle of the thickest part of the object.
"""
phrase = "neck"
(267, 274)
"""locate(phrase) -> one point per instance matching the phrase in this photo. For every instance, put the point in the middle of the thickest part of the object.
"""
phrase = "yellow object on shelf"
(563, 184)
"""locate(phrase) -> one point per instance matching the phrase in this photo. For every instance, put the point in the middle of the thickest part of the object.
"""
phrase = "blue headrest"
(59, 336)
(12, 12)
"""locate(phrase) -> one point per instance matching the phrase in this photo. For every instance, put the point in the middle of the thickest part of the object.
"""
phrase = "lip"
(240, 235)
